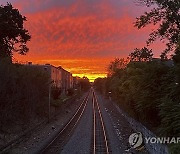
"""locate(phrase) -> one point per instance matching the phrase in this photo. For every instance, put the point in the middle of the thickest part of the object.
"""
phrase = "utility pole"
(49, 102)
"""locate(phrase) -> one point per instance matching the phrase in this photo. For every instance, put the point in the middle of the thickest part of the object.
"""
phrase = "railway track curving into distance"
(100, 141)
(56, 145)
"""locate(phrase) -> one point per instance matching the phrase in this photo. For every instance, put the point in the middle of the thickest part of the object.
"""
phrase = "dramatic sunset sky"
(82, 36)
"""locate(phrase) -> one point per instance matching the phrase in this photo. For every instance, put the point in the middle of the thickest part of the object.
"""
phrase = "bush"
(56, 92)
(22, 93)
(150, 92)
(70, 92)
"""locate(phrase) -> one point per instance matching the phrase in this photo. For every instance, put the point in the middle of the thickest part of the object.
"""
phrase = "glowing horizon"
(82, 36)
(78, 67)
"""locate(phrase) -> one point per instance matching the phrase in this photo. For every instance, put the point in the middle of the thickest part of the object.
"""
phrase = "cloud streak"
(81, 29)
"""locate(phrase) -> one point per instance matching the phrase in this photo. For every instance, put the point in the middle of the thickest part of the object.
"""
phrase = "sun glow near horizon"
(91, 77)
(90, 68)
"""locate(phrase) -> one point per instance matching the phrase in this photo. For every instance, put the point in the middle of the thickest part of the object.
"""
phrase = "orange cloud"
(81, 36)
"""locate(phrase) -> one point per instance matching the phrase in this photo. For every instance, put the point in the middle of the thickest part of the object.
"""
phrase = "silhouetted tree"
(116, 64)
(84, 83)
(176, 57)
(13, 35)
(166, 13)
(140, 55)
(100, 84)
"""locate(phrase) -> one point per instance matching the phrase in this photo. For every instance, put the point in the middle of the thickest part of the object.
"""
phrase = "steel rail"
(102, 124)
(94, 125)
(85, 101)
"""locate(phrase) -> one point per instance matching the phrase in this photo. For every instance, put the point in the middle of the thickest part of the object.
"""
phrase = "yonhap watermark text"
(136, 140)
(163, 140)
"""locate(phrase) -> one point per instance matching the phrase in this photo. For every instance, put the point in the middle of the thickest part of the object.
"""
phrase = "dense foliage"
(148, 91)
(116, 64)
(143, 54)
(22, 93)
(13, 35)
(84, 84)
(166, 14)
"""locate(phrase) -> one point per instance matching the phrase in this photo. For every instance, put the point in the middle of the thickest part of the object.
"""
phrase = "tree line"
(148, 88)
(23, 94)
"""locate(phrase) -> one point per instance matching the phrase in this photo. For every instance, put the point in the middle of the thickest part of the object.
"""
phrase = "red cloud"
(52, 32)
(79, 32)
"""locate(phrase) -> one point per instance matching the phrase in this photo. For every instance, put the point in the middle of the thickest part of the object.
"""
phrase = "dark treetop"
(13, 35)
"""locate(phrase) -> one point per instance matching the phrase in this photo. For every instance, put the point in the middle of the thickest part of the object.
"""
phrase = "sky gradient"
(82, 36)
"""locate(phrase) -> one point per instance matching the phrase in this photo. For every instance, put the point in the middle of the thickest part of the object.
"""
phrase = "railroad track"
(27, 133)
(100, 141)
(56, 145)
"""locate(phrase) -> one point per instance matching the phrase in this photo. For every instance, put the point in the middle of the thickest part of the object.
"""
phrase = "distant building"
(59, 76)
(67, 79)
(168, 62)
(53, 72)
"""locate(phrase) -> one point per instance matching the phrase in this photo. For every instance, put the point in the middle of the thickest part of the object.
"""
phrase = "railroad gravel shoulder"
(40, 137)
(80, 141)
(118, 128)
